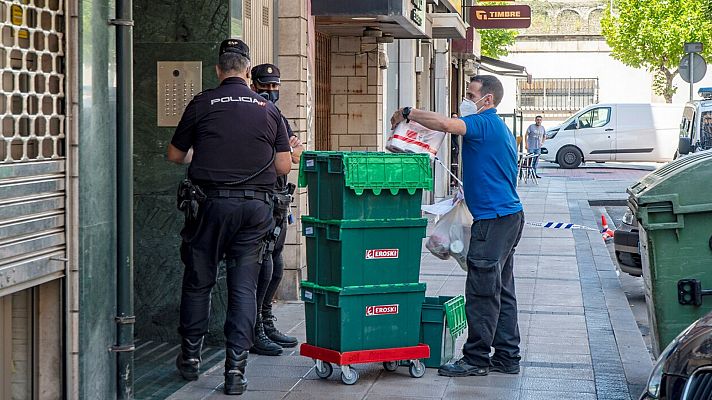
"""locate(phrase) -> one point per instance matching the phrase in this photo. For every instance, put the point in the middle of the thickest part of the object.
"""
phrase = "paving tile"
(431, 385)
(470, 393)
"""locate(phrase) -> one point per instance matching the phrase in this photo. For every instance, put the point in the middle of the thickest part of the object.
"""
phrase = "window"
(706, 130)
(595, 118)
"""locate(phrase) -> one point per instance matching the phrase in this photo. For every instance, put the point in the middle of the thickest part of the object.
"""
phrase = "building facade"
(75, 270)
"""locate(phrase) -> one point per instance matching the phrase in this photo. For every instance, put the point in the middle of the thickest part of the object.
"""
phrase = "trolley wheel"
(416, 369)
(390, 365)
(325, 370)
(349, 376)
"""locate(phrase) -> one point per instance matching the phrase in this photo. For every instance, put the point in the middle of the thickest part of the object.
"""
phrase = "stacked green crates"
(364, 237)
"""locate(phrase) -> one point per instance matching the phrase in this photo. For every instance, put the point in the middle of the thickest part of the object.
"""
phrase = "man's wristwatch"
(406, 112)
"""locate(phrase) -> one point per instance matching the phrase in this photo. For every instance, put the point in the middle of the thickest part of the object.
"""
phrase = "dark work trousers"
(491, 305)
(272, 267)
(233, 229)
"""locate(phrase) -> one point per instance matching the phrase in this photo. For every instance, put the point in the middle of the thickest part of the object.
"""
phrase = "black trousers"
(491, 302)
(272, 267)
(233, 229)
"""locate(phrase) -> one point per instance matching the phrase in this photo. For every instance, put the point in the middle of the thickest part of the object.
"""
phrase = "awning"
(404, 19)
(499, 67)
(448, 26)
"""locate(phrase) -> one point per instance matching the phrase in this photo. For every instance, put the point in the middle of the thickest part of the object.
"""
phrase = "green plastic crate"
(441, 324)
(356, 253)
(365, 185)
(363, 317)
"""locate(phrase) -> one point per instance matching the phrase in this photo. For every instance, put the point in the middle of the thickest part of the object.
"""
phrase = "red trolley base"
(391, 358)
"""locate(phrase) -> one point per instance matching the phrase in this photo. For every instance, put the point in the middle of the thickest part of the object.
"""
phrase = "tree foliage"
(650, 34)
(495, 41)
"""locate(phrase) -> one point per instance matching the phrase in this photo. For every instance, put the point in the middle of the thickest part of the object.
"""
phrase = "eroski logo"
(381, 253)
(244, 99)
(382, 310)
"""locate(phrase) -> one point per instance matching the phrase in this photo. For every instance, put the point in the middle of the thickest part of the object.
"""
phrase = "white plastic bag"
(411, 137)
(451, 235)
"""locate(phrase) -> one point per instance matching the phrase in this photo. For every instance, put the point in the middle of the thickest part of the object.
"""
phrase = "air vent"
(265, 16)
(247, 12)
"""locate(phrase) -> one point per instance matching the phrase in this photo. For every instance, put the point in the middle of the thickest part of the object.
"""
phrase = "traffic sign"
(501, 17)
(693, 47)
(699, 67)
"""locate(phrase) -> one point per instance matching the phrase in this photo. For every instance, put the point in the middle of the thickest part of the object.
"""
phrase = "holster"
(283, 199)
(189, 198)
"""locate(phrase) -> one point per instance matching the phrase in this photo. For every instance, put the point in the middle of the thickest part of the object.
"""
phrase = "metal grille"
(32, 140)
(322, 120)
(247, 4)
(265, 16)
(561, 95)
(700, 386)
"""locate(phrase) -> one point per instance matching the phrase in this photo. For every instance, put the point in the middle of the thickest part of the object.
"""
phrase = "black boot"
(235, 364)
(188, 360)
(263, 345)
(273, 333)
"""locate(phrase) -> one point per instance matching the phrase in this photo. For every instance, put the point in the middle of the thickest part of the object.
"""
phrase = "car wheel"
(569, 157)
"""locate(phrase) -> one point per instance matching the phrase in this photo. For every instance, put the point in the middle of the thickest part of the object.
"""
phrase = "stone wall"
(356, 94)
(294, 103)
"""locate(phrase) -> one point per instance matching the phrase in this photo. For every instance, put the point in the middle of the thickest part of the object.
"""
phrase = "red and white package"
(411, 137)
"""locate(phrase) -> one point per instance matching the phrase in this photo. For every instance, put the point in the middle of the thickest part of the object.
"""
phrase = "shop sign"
(501, 17)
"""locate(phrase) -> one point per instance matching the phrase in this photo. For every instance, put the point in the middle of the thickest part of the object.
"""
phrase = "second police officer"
(268, 339)
(236, 143)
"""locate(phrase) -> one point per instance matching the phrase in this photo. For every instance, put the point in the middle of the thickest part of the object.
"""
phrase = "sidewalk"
(579, 337)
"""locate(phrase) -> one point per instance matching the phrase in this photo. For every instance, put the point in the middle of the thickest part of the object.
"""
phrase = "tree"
(495, 41)
(650, 34)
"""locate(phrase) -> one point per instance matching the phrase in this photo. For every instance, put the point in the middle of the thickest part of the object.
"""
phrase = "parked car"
(696, 124)
(616, 132)
(625, 244)
(684, 369)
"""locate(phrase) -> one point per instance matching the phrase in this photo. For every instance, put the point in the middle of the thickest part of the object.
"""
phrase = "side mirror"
(684, 145)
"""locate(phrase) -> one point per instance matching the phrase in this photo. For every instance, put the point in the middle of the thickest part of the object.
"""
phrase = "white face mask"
(469, 107)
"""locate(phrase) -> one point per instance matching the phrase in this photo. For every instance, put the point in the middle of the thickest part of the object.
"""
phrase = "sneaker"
(462, 368)
(538, 177)
(499, 366)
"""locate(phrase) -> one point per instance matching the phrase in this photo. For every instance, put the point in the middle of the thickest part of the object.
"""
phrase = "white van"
(615, 132)
(696, 124)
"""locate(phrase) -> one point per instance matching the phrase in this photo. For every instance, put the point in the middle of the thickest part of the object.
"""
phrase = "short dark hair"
(233, 62)
(490, 85)
(538, 116)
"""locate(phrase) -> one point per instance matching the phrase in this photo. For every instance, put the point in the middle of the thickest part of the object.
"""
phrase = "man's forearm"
(437, 122)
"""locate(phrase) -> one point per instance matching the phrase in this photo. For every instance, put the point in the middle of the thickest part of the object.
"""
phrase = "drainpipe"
(125, 318)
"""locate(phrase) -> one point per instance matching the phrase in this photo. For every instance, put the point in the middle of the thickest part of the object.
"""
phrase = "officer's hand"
(297, 149)
(397, 118)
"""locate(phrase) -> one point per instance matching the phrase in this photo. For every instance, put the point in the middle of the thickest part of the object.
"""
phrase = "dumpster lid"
(678, 182)
(366, 289)
(375, 170)
(369, 223)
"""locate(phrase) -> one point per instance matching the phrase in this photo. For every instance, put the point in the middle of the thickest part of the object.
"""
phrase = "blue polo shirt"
(489, 161)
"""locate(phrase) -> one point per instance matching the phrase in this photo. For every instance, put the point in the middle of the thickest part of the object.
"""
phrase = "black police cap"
(234, 46)
(266, 73)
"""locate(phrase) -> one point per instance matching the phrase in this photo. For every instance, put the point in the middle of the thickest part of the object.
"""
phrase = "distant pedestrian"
(489, 157)
(536, 135)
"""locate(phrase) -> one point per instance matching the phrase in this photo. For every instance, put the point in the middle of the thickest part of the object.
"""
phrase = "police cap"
(266, 73)
(234, 46)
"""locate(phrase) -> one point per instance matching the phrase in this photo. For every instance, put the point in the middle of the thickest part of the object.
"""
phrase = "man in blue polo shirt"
(489, 160)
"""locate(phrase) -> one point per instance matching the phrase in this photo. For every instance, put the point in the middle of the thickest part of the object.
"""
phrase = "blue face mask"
(271, 95)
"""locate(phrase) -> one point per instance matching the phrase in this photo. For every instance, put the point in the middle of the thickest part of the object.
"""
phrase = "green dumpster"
(355, 253)
(364, 185)
(674, 208)
(362, 317)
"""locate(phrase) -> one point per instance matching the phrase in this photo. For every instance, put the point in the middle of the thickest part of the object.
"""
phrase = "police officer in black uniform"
(268, 339)
(236, 143)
